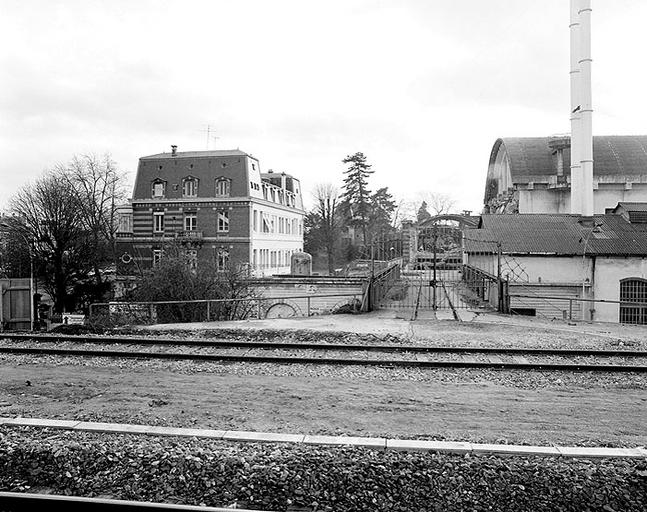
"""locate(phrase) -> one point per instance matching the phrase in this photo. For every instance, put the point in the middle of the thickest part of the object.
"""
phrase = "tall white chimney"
(576, 170)
(586, 149)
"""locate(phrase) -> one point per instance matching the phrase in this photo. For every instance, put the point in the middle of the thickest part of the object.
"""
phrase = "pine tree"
(423, 213)
(356, 195)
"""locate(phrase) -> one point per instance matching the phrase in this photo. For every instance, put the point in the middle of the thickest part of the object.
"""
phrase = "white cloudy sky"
(422, 87)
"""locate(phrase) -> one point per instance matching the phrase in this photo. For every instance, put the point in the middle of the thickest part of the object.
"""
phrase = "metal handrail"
(245, 299)
(607, 301)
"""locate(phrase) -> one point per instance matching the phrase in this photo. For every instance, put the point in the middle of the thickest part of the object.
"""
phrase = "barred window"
(633, 290)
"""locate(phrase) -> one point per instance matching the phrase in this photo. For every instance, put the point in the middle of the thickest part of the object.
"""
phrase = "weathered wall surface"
(15, 304)
(313, 287)
(608, 274)
(564, 276)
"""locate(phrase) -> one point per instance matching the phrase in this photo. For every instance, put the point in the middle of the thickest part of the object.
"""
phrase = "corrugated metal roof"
(633, 207)
(198, 154)
(612, 155)
(557, 234)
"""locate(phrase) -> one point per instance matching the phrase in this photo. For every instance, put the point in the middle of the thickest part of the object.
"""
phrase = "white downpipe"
(586, 155)
(576, 170)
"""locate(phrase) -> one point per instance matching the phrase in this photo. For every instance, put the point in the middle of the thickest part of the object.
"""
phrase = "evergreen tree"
(356, 194)
(382, 208)
(423, 213)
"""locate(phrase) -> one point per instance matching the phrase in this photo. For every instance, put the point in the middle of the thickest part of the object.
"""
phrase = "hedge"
(298, 477)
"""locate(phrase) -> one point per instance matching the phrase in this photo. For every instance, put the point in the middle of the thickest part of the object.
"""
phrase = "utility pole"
(433, 282)
(499, 282)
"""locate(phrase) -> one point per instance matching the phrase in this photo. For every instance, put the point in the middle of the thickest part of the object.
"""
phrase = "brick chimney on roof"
(173, 150)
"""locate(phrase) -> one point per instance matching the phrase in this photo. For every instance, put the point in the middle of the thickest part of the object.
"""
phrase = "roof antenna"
(208, 131)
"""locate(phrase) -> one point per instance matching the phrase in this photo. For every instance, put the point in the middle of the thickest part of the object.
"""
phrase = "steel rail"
(307, 345)
(402, 363)
(17, 502)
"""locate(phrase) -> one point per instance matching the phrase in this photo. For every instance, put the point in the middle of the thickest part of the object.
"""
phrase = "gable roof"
(557, 234)
(620, 155)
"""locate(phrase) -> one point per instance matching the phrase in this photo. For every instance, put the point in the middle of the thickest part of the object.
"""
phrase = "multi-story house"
(218, 206)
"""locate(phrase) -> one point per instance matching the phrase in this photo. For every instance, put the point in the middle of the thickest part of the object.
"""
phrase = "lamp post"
(31, 275)
(594, 229)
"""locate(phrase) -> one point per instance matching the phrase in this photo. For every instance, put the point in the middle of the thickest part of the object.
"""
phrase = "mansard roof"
(613, 155)
(198, 154)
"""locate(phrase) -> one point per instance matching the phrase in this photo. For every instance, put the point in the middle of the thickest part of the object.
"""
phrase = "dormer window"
(158, 188)
(223, 186)
(189, 187)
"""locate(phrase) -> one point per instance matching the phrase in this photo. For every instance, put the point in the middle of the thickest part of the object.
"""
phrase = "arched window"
(189, 187)
(633, 289)
(158, 188)
(223, 187)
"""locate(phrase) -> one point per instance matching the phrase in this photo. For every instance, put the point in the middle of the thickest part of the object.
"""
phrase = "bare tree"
(67, 217)
(438, 203)
(46, 214)
(98, 189)
(327, 202)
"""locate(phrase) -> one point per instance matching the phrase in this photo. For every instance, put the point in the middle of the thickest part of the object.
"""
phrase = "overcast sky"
(422, 87)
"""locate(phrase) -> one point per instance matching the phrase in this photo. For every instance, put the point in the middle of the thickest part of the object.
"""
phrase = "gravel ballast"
(282, 477)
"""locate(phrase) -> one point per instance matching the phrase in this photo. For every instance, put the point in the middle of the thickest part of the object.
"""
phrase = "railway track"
(412, 356)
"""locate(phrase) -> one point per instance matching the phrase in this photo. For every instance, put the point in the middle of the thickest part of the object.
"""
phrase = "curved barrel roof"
(616, 155)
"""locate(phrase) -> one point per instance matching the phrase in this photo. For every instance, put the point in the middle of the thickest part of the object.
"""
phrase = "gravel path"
(473, 405)
(290, 478)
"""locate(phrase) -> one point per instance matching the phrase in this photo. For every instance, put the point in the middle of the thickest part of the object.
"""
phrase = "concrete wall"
(545, 200)
(538, 269)
(608, 273)
(313, 287)
(564, 276)
(558, 200)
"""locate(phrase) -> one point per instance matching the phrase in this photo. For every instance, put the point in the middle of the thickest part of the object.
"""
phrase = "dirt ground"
(357, 403)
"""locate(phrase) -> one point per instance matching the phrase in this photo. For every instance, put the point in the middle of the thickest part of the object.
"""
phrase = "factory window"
(190, 222)
(190, 187)
(633, 290)
(223, 221)
(158, 222)
(222, 260)
(223, 187)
